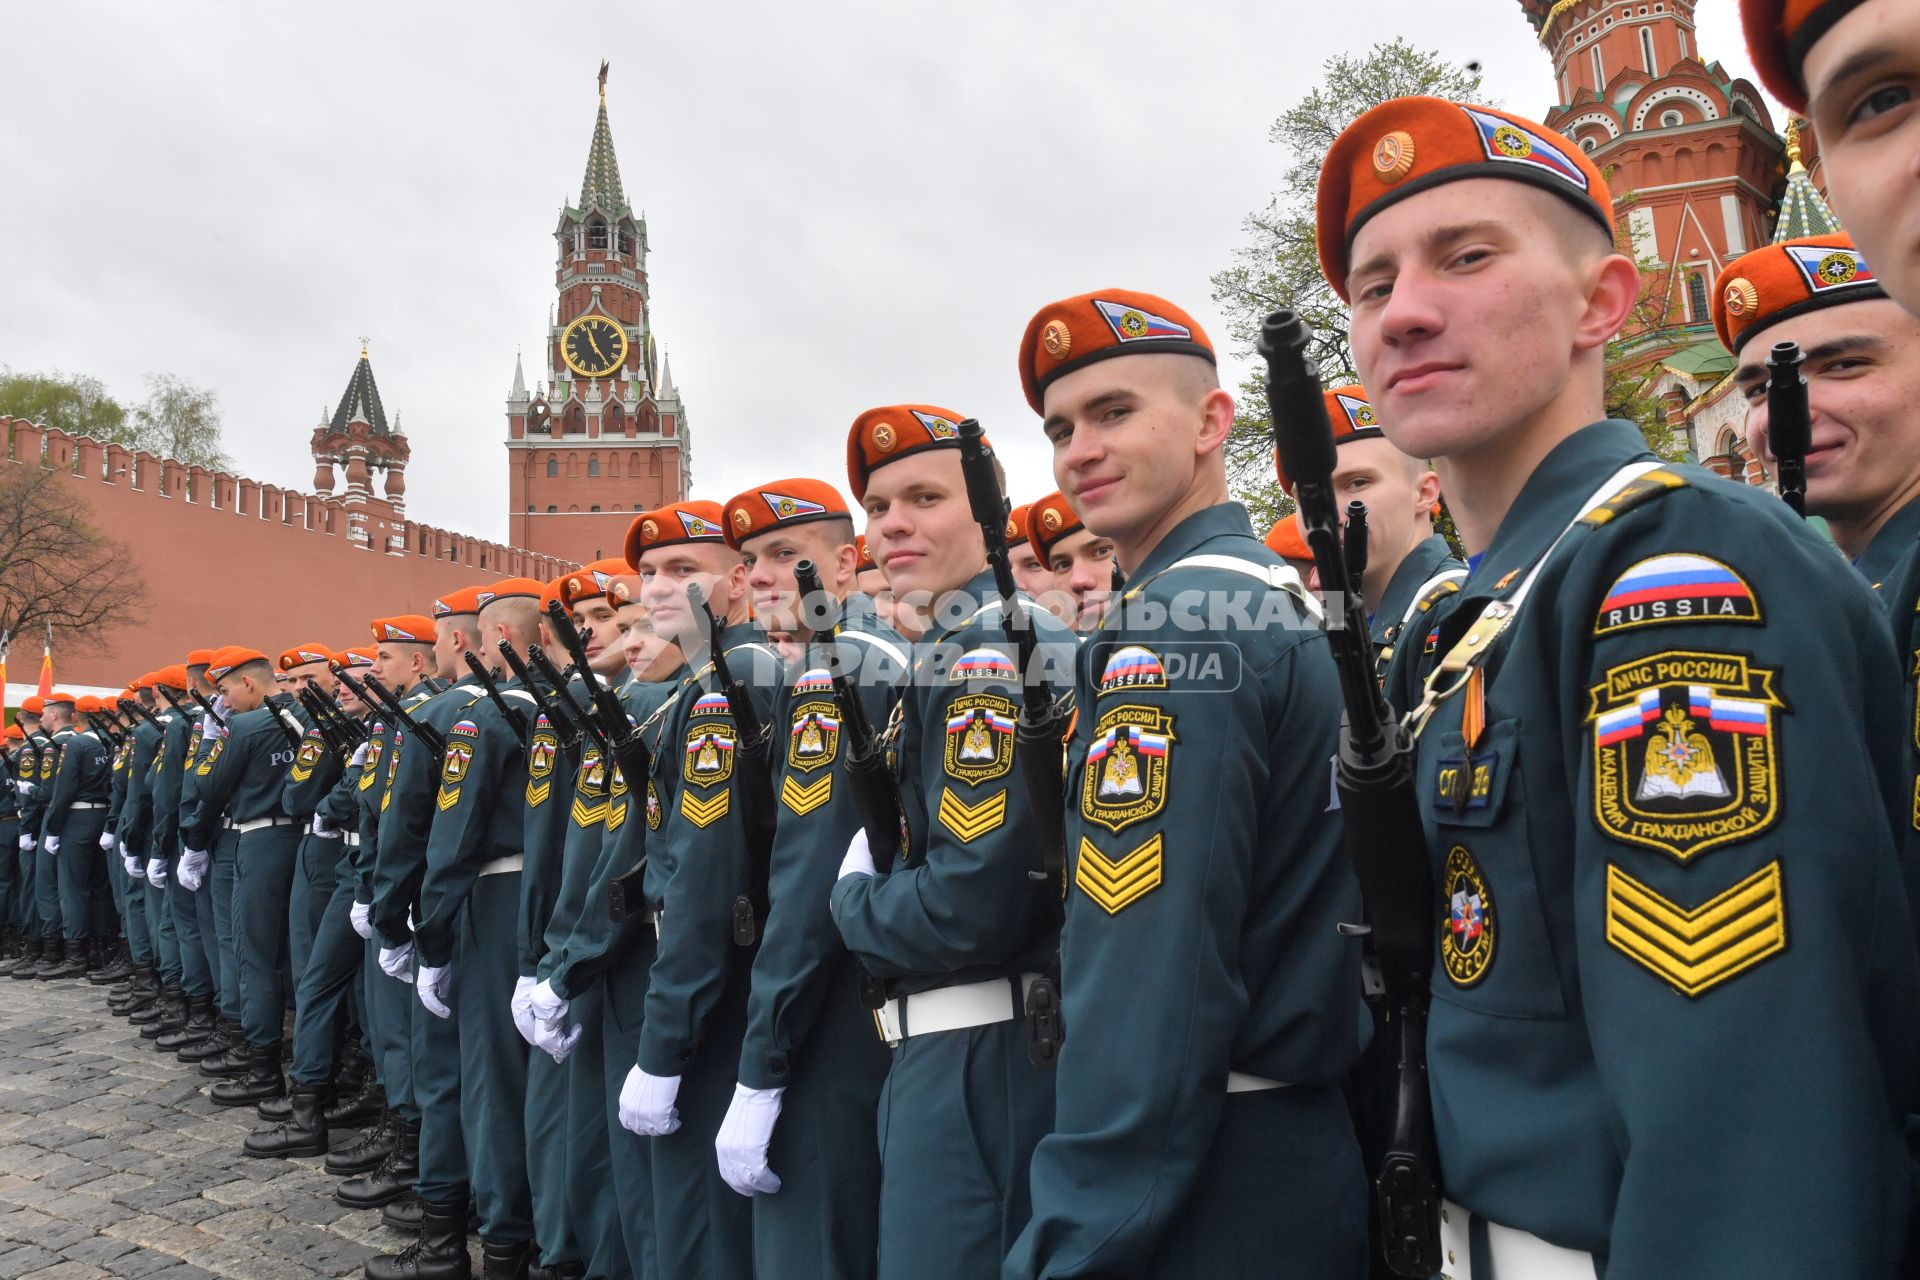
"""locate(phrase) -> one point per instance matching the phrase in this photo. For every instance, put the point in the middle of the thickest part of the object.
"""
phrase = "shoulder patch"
(466, 728)
(1633, 493)
(1114, 884)
(1677, 587)
(453, 771)
(542, 753)
(985, 664)
(710, 704)
(1132, 667)
(206, 765)
(1467, 925)
(654, 813)
(709, 755)
(979, 738)
(813, 741)
(1695, 950)
(1125, 780)
(304, 761)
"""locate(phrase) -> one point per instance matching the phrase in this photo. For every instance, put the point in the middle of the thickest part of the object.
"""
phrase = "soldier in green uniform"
(240, 817)
(796, 1136)
(114, 959)
(1212, 1003)
(1665, 841)
(706, 852)
(1079, 562)
(13, 895)
(159, 971)
(197, 1040)
(465, 952)
(76, 814)
(33, 817)
(965, 924)
(211, 885)
(313, 776)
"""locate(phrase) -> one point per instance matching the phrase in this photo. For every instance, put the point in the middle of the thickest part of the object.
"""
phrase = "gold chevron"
(447, 799)
(616, 815)
(587, 815)
(1700, 948)
(804, 798)
(1117, 883)
(704, 813)
(971, 821)
(537, 793)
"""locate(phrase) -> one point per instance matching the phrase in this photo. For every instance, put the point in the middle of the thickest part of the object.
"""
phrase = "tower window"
(1696, 296)
(551, 509)
(596, 235)
(1670, 119)
(1646, 50)
(594, 507)
(593, 466)
(553, 465)
(529, 508)
(626, 241)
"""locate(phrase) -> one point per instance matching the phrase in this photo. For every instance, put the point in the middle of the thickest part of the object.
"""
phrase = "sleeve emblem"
(1696, 950)
(1467, 922)
(804, 797)
(1676, 588)
(617, 800)
(1683, 752)
(979, 738)
(1125, 780)
(709, 755)
(453, 771)
(1132, 667)
(308, 757)
(541, 754)
(590, 793)
(705, 812)
(1114, 884)
(984, 664)
(654, 813)
(814, 739)
(206, 765)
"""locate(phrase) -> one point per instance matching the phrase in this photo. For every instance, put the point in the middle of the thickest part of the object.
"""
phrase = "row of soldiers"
(779, 937)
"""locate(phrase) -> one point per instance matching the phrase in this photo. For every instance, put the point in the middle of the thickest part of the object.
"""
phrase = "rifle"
(575, 715)
(564, 728)
(515, 721)
(329, 733)
(1356, 545)
(1038, 730)
(1374, 774)
(755, 773)
(396, 717)
(346, 732)
(619, 737)
(206, 707)
(139, 709)
(1789, 422)
(288, 722)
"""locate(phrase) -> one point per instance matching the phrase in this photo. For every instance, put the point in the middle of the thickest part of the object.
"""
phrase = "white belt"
(351, 839)
(972, 1004)
(87, 804)
(1509, 1253)
(654, 918)
(500, 866)
(1241, 1082)
(325, 835)
(259, 823)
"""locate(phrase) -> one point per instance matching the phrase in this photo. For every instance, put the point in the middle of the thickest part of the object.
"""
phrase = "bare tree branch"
(55, 569)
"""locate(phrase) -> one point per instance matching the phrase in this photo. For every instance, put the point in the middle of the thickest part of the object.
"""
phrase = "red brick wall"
(228, 560)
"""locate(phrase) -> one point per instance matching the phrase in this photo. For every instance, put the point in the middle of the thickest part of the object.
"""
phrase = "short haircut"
(519, 616)
(258, 669)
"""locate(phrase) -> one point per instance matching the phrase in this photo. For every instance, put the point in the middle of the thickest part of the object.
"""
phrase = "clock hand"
(595, 344)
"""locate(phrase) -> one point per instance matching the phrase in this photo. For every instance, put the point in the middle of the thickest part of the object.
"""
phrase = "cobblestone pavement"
(114, 1163)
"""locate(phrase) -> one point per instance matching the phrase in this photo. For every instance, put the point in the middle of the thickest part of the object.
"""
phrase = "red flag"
(46, 667)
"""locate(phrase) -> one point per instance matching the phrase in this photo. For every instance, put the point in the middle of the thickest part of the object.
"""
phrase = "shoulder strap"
(1278, 577)
(884, 645)
(1447, 580)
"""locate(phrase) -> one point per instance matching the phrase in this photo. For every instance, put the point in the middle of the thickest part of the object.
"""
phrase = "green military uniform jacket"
(1429, 572)
(315, 772)
(33, 807)
(963, 906)
(817, 818)
(135, 831)
(1675, 1012)
(549, 766)
(243, 775)
(170, 762)
(705, 850)
(1207, 881)
(411, 781)
(85, 776)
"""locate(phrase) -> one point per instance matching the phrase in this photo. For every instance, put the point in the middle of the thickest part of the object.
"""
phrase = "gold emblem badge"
(1683, 752)
(1050, 520)
(649, 530)
(742, 522)
(1013, 530)
(1837, 268)
(653, 807)
(1741, 297)
(1057, 339)
(1467, 928)
(813, 742)
(1125, 780)
(573, 585)
(709, 755)
(979, 737)
(541, 755)
(884, 438)
(1393, 156)
(308, 757)
(1512, 142)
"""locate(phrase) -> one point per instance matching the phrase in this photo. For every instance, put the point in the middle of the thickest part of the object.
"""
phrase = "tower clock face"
(593, 346)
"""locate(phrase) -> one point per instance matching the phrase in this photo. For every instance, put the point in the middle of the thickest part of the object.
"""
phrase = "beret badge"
(884, 438)
(1741, 296)
(1050, 520)
(648, 529)
(742, 522)
(1057, 339)
(1393, 156)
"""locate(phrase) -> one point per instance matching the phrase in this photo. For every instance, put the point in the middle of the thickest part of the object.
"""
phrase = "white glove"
(193, 869)
(859, 859)
(136, 869)
(212, 730)
(646, 1104)
(554, 1039)
(397, 962)
(321, 827)
(107, 841)
(362, 917)
(53, 845)
(546, 1004)
(26, 843)
(522, 1006)
(23, 786)
(742, 1141)
(157, 872)
(431, 984)
(360, 755)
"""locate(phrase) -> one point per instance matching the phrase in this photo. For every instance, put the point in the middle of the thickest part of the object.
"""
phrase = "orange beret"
(1351, 414)
(464, 602)
(302, 654)
(360, 655)
(1017, 525)
(674, 524)
(893, 432)
(513, 589)
(200, 657)
(173, 677)
(33, 704)
(1064, 335)
(403, 628)
(232, 657)
(1048, 521)
(1408, 145)
(864, 552)
(59, 696)
(1780, 34)
(587, 582)
(1286, 541)
(1777, 281)
(87, 705)
(15, 733)
(779, 503)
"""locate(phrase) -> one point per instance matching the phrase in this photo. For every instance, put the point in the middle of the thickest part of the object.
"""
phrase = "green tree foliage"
(73, 403)
(1279, 266)
(180, 420)
(177, 419)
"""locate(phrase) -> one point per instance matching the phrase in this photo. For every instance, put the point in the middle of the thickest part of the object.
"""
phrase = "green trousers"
(493, 1057)
(623, 990)
(262, 875)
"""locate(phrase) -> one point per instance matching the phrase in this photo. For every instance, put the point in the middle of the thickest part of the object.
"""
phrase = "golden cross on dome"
(363, 346)
(603, 84)
(1793, 143)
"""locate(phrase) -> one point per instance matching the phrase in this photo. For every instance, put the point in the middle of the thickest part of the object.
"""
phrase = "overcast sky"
(848, 204)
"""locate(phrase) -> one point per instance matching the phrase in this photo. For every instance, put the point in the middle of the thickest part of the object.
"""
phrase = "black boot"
(143, 985)
(172, 1005)
(558, 1271)
(363, 1108)
(366, 1154)
(402, 1214)
(116, 965)
(274, 1110)
(31, 953)
(198, 1026)
(392, 1178)
(505, 1259)
(262, 1080)
(439, 1254)
(73, 965)
(12, 942)
(235, 1058)
(302, 1133)
(215, 1043)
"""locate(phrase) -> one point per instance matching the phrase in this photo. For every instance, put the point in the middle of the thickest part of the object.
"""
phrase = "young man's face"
(646, 651)
(394, 662)
(771, 559)
(246, 689)
(1081, 565)
(1466, 306)
(1029, 574)
(58, 716)
(1863, 82)
(1399, 493)
(345, 697)
(308, 675)
(1126, 439)
(594, 620)
(920, 528)
(665, 574)
(449, 642)
(1863, 382)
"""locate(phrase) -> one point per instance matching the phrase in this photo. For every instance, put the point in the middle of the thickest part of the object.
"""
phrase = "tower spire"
(601, 185)
(1803, 212)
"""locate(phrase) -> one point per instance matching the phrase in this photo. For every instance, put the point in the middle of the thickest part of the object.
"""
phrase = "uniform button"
(777, 1065)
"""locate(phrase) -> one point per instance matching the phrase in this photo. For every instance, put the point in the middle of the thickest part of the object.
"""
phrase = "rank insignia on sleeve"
(979, 738)
(1683, 752)
(1676, 588)
(1696, 949)
(704, 813)
(1467, 926)
(970, 821)
(306, 759)
(1125, 780)
(804, 797)
(984, 664)
(653, 807)
(590, 793)
(206, 765)
(617, 800)
(1115, 884)
(1132, 667)
(542, 752)
(814, 739)
(453, 770)
(709, 758)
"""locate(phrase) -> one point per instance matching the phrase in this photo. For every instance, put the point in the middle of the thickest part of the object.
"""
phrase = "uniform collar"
(1895, 541)
(1221, 520)
(1428, 557)
(1553, 495)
